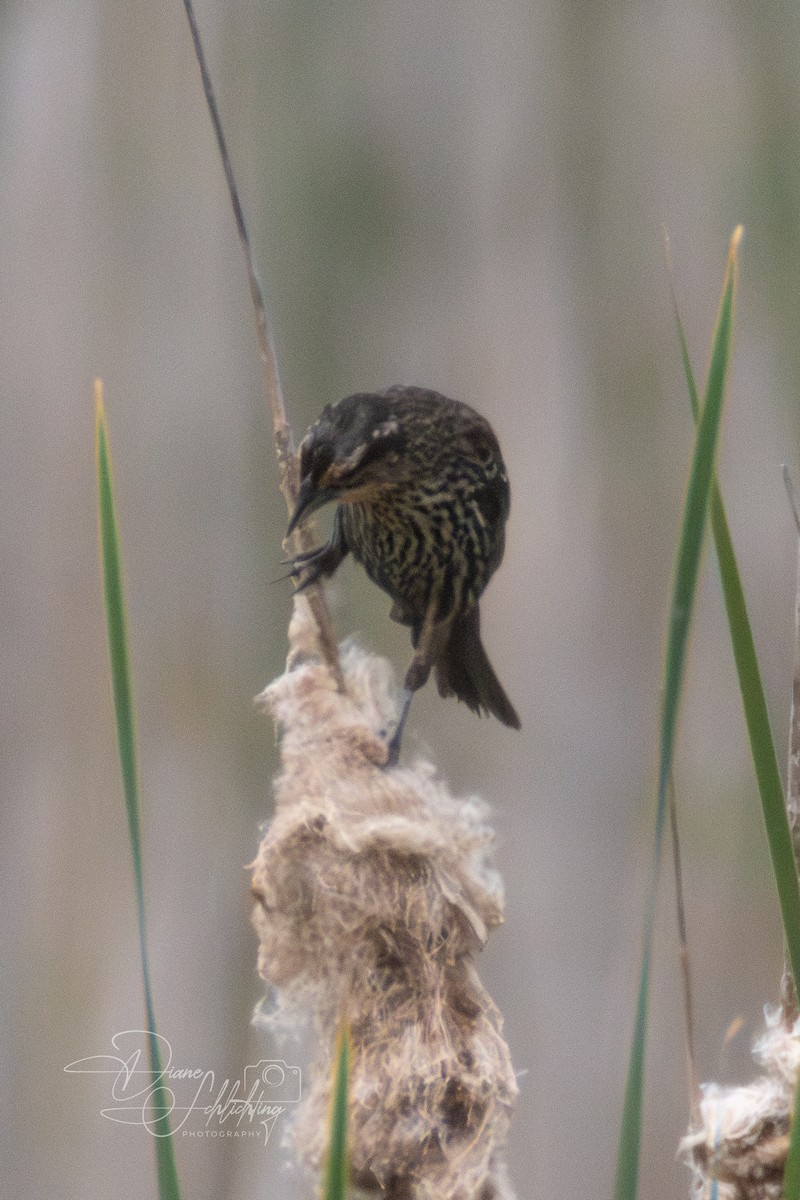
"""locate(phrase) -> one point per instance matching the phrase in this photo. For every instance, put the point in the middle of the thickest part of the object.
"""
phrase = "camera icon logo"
(278, 1082)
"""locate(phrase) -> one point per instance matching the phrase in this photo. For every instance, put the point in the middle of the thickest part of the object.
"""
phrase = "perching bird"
(422, 501)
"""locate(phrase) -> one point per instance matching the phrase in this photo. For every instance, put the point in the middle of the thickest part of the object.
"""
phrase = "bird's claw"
(299, 563)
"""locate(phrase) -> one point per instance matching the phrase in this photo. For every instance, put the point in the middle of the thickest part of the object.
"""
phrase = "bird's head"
(353, 451)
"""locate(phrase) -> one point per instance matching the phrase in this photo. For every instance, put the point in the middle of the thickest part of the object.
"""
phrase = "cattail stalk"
(374, 893)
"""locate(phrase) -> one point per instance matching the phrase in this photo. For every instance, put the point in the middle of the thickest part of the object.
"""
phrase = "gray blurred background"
(463, 195)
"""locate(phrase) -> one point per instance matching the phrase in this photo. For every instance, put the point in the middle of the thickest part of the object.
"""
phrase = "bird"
(422, 499)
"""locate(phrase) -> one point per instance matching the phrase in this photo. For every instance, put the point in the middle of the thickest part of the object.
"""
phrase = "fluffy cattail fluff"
(739, 1151)
(374, 895)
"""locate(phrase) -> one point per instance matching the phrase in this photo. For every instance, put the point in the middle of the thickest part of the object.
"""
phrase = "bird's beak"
(308, 501)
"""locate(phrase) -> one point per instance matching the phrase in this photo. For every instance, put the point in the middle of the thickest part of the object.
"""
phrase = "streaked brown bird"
(422, 501)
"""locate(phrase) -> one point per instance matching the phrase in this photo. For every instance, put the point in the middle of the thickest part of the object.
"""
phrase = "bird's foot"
(313, 565)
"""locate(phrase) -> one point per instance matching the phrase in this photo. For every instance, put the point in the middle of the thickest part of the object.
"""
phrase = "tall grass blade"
(684, 587)
(336, 1171)
(116, 627)
(762, 744)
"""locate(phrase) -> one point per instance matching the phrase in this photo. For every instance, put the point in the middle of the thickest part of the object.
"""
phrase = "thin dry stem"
(282, 432)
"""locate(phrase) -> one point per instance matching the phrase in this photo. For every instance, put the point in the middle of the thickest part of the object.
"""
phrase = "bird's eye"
(380, 450)
(347, 467)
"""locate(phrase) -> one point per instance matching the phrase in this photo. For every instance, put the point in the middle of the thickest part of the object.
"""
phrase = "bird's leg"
(393, 749)
(319, 563)
(430, 644)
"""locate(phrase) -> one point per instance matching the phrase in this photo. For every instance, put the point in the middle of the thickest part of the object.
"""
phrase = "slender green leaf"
(116, 626)
(683, 593)
(762, 744)
(337, 1170)
(627, 1181)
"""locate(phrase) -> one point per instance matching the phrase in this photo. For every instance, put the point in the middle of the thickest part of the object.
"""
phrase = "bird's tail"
(464, 670)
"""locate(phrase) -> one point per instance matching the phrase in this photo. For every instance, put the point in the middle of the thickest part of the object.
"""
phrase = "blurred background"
(453, 194)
